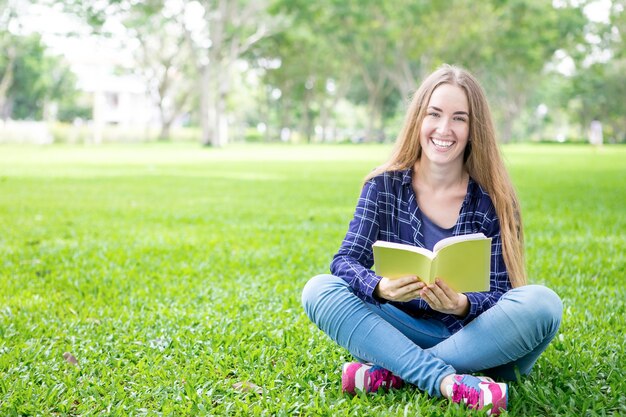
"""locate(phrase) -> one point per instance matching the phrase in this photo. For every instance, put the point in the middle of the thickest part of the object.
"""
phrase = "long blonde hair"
(483, 160)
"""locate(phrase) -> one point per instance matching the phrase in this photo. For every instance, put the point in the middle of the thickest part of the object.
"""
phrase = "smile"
(441, 143)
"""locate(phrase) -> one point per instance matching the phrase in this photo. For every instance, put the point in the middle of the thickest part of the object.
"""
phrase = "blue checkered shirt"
(387, 210)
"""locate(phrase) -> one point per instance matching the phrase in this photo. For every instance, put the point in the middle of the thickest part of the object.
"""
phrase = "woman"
(445, 177)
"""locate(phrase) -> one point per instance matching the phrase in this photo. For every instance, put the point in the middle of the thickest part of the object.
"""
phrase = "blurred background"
(296, 71)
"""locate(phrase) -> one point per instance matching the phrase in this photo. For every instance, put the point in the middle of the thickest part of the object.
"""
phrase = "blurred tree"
(523, 37)
(618, 28)
(598, 87)
(163, 58)
(34, 85)
(370, 52)
(350, 35)
(215, 32)
(304, 70)
(388, 47)
(7, 56)
(7, 69)
(593, 95)
(221, 32)
(63, 101)
(426, 34)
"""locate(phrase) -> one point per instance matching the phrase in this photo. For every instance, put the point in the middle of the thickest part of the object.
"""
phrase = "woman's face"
(445, 129)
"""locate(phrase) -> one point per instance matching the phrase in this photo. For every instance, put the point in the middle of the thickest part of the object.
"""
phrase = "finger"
(427, 295)
(441, 295)
(410, 291)
(401, 282)
(445, 288)
(430, 294)
(389, 289)
(414, 293)
(401, 286)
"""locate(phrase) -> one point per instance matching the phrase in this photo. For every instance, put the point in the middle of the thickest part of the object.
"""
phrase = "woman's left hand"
(442, 298)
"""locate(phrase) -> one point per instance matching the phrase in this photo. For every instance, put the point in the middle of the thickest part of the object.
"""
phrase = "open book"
(463, 262)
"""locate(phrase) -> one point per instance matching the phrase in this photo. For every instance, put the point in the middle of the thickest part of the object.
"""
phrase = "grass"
(173, 274)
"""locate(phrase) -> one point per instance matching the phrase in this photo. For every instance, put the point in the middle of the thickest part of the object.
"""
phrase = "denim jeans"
(422, 351)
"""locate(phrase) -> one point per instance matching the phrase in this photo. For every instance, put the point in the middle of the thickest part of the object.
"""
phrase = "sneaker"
(367, 378)
(479, 393)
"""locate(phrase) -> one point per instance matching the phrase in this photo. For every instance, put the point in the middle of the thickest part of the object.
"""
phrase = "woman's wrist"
(464, 306)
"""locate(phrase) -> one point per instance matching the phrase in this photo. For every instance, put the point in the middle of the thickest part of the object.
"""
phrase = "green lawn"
(173, 273)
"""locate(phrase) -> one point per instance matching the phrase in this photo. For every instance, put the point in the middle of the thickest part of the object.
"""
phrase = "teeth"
(442, 143)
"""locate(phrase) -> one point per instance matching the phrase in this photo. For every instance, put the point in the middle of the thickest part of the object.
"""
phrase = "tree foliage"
(304, 63)
(38, 85)
(163, 59)
(522, 39)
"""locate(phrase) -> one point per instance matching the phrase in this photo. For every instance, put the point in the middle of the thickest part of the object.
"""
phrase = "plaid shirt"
(387, 210)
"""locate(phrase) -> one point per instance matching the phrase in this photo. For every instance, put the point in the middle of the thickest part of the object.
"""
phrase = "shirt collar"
(407, 176)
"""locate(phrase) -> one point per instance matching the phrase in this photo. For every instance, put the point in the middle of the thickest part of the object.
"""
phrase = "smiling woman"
(445, 178)
(445, 129)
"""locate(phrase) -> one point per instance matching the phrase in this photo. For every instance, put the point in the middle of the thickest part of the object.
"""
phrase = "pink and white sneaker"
(357, 376)
(479, 393)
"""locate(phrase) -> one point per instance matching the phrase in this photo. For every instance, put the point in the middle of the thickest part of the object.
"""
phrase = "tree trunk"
(324, 119)
(376, 92)
(227, 24)
(217, 107)
(99, 102)
(267, 114)
(166, 126)
(507, 129)
(221, 122)
(306, 119)
(6, 82)
(375, 110)
(205, 106)
(285, 120)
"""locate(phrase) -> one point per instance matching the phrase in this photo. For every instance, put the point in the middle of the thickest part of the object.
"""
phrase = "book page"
(453, 239)
(394, 260)
(465, 266)
(404, 247)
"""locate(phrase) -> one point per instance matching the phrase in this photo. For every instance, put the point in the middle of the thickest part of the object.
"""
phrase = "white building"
(102, 65)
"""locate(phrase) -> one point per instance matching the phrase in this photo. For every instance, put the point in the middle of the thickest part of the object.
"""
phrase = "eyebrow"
(456, 112)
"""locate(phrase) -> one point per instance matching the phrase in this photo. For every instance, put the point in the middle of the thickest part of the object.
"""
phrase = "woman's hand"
(442, 298)
(401, 289)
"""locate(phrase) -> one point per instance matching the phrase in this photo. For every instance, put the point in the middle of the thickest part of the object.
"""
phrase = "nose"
(443, 126)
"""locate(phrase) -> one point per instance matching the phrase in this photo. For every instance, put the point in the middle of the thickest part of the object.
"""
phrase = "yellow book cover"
(463, 262)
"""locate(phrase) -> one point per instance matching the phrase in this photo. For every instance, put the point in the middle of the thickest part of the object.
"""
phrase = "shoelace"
(382, 377)
(460, 392)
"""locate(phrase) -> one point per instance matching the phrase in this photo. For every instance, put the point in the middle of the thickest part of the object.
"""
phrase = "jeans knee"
(315, 289)
(545, 304)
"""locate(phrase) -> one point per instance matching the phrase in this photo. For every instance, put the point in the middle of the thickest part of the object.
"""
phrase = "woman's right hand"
(401, 289)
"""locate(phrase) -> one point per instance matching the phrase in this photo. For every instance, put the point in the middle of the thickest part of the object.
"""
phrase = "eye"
(460, 119)
(433, 114)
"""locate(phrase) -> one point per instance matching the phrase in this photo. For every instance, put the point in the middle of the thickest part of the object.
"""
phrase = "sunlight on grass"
(173, 273)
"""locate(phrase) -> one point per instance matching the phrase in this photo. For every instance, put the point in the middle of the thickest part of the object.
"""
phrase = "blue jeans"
(422, 351)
